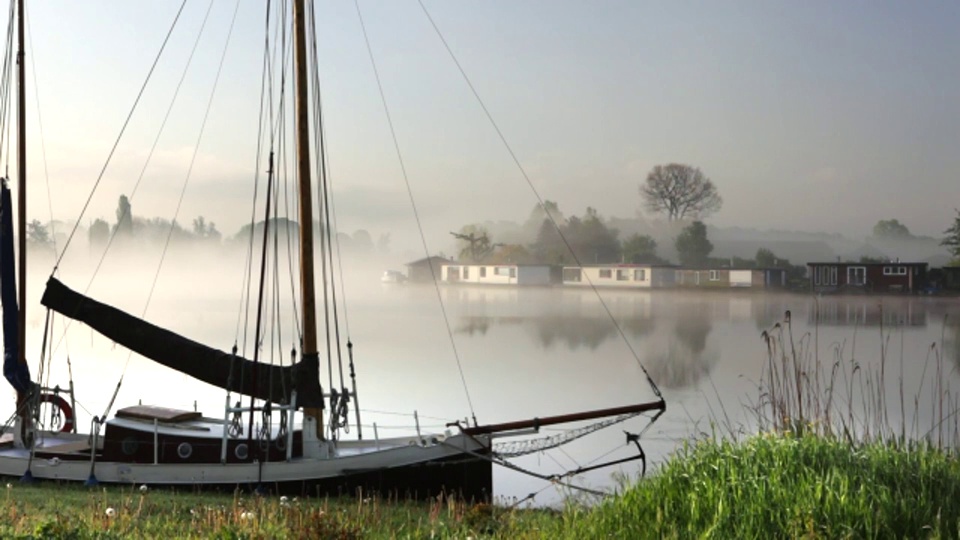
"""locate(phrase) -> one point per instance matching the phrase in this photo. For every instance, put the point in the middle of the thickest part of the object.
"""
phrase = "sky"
(812, 116)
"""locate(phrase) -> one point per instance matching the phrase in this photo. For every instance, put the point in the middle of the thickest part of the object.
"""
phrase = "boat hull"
(405, 468)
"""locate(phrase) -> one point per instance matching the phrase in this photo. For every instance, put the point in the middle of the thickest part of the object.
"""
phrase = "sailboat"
(278, 441)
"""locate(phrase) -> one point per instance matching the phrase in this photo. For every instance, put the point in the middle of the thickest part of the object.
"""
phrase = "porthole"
(129, 446)
(184, 450)
(241, 451)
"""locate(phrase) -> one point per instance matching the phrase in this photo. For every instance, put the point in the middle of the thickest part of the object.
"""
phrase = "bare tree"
(679, 191)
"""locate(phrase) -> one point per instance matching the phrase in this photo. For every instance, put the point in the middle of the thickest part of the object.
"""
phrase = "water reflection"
(685, 360)
(868, 311)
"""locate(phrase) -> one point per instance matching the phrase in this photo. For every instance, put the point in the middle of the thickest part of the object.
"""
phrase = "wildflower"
(111, 512)
(247, 516)
(9, 485)
(143, 488)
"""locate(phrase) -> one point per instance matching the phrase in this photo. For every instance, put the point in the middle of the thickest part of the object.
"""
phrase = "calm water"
(524, 353)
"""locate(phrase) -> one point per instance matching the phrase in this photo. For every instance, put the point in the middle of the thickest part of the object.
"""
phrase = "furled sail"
(228, 371)
(17, 373)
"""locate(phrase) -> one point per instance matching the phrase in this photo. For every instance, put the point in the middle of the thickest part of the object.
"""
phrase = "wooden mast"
(21, 186)
(307, 292)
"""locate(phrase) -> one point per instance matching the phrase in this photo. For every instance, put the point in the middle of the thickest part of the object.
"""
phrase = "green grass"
(767, 486)
(782, 486)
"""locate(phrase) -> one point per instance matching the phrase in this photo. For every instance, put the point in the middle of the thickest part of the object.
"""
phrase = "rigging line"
(43, 144)
(265, 115)
(196, 150)
(540, 200)
(186, 181)
(324, 168)
(5, 86)
(116, 143)
(143, 171)
(416, 214)
(319, 149)
(286, 48)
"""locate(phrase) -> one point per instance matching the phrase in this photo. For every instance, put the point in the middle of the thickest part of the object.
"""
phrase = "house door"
(856, 275)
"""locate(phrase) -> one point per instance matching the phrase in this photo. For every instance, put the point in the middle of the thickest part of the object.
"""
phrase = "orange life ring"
(64, 407)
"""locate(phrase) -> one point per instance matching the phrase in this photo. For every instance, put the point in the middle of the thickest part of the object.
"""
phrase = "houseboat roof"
(854, 263)
(427, 260)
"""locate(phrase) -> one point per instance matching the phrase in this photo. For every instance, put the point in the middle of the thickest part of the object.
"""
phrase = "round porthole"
(129, 446)
(241, 451)
(184, 450)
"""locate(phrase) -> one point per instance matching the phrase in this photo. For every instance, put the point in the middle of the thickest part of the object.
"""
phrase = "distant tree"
(205, 230)
(475, 244)
(98, 233)
(952, 239)
(591, 239)
(549, 246)
(692, 245)
(765, 258)
(539, 214)
(37, 235)
(640, 248)
(124, 225)
(362, 241)
(891, 228)
(511, 254)
(679, 191)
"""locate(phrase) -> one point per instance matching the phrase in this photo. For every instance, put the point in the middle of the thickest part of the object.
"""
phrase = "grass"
(828, 462)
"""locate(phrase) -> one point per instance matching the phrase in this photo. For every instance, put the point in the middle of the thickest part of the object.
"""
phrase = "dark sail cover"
(16, 373)
(273, 383)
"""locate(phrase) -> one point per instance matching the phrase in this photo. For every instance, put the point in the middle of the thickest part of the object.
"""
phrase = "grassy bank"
(764, 487)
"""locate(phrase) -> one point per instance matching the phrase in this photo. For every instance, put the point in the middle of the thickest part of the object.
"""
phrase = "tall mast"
(22, 185)
(307, 292)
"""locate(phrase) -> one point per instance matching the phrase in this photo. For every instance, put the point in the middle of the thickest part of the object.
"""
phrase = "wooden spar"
(660, 405)
(307, 293)
(22, 186)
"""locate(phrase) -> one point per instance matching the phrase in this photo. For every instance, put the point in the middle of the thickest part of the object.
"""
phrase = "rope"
(540, 199)
(531, 446)
(116, 143)
(416, 213)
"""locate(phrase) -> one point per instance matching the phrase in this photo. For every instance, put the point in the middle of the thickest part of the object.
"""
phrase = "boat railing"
(232, 414)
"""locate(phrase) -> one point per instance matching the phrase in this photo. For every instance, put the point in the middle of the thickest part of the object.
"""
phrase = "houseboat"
(854, 277)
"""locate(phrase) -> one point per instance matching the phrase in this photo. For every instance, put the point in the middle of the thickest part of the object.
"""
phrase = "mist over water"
(515, 353)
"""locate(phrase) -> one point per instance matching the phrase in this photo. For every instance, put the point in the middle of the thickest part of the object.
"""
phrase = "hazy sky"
(816, 116)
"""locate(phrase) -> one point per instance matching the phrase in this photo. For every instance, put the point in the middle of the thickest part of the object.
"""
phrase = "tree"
(539, 214)
(692, 245)
(37, 234)
(679, 190)
(549, 247)
(124, 217)
(475, 243)
(591, 240)
(891, 228)
(952, 239)
(640, 248)
(205, 230)
(98, 233)
(765, 258)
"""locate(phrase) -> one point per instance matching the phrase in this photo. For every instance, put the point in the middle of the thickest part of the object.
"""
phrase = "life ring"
(65, 409)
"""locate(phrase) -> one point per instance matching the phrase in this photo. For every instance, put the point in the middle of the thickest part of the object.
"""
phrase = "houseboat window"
(606, 273)
(714, 275)
(833, 275)
(816, 275)
(894, 270)
(503, 271)
(466, 272)
(572, 274)
(623, 275)
(640, 274)
(453, 272)
(483, 271)
(513, 272)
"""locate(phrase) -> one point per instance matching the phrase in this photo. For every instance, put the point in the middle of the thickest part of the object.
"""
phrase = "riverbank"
(766, 486)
